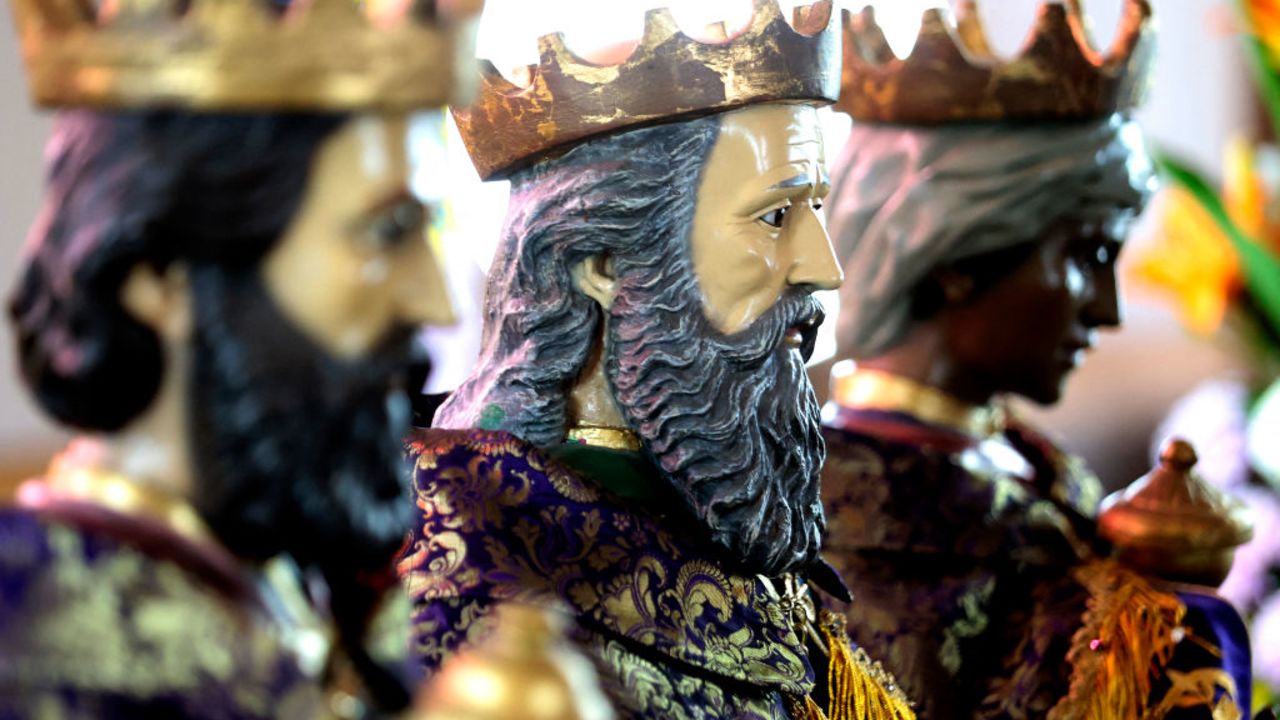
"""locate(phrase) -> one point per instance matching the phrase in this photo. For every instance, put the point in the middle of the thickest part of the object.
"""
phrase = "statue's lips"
(803, 335)
(794, 337)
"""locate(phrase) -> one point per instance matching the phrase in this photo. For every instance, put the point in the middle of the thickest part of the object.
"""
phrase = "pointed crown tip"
(142, 54)
(953, 75)
(767, 60)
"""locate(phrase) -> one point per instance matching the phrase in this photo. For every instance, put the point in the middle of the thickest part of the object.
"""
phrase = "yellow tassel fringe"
(859, 688)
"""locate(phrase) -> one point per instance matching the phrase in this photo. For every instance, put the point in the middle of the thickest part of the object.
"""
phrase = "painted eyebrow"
(387, 203)
(798, 181)
(393, 199)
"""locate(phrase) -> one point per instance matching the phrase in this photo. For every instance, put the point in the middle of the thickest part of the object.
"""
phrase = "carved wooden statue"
(978, 209)
(639, 441)
(219, 292)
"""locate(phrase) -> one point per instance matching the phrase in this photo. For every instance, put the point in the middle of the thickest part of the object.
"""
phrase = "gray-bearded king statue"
(639, 443)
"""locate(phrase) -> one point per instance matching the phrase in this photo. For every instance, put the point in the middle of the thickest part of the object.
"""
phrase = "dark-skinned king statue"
(639, 444)
(977, 212)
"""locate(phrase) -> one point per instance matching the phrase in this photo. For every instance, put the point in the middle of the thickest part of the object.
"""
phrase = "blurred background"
(1201, 97)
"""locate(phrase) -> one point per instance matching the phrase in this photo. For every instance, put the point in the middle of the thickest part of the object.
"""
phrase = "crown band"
(668, 76)
(953, 75)
(236, 55)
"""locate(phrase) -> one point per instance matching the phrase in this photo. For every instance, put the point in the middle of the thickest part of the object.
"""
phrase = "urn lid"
(1173, 508)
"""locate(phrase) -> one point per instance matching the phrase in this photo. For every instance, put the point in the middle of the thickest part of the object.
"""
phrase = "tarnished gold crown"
(953, 75)
(243, 55)
(669, 75)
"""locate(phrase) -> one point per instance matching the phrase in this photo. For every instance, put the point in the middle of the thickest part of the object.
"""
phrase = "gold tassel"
(859, 688)
(805, 709)
(1127, 638)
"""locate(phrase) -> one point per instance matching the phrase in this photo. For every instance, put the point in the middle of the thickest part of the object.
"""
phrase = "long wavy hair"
(630, 197)
(143, 187)
(731, 420)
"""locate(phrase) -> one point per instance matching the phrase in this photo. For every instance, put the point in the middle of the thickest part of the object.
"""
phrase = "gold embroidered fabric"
(674, 634)
(83, 620)
(971, 599)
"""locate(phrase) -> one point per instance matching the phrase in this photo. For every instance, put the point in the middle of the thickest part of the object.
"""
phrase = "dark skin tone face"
(1025, 331)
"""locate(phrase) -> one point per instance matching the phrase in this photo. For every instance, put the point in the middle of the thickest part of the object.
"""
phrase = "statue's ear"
(594, 277)
(160, 300)
(955, 286)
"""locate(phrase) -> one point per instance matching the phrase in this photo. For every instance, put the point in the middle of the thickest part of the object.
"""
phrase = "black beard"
(295, 451)
(731, 420)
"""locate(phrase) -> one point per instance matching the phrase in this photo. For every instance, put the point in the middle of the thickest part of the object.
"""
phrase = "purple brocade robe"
(671, 632)
(104, 615)
(987, 593)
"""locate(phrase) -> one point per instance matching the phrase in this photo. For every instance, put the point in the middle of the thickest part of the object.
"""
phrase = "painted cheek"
(750, 278)
(1074, 280)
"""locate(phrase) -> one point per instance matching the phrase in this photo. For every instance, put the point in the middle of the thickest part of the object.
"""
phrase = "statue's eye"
(399, 223)
(1103, 255)
(774, 218)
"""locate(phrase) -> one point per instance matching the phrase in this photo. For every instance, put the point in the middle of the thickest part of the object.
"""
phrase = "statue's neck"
(154, 449)
(924, 358)
(591, 400)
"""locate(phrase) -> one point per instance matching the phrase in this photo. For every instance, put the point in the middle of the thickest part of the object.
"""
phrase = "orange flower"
(1188, 257)
(1242, 191)
(1251, 191)
(1264, 17)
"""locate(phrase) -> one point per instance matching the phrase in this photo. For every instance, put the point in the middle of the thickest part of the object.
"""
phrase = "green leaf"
(1268, 82)
(1264, 69)
(1260, 267)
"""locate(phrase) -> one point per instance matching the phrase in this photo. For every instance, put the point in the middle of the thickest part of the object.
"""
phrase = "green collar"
(628, 475)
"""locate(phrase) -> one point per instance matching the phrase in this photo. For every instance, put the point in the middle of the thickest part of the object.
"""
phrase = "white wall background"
(1198, 100)
(24, 433)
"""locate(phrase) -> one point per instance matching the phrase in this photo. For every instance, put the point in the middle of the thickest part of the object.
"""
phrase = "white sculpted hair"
(907, 200)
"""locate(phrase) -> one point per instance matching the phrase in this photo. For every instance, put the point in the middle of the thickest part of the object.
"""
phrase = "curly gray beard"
(731, 420)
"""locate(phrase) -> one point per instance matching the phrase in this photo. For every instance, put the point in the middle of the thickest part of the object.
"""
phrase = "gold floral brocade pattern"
(672, 633)
(88, 621)
(976, 599)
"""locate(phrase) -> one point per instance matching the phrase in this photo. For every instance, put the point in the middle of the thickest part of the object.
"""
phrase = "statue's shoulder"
(87, 614)
(1061, 475)
(496, 467)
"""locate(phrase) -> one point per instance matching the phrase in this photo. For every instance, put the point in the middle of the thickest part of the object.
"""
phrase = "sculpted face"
(758, 227)
(1027, 331)
(679, 261)
(296, 399)
(710, 370)
(356, 260)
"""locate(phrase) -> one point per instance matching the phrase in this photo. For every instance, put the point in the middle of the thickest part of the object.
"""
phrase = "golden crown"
(243, 55)
(669, 75)
(954, 75)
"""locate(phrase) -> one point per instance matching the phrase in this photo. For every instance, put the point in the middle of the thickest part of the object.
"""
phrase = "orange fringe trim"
(1128, 635)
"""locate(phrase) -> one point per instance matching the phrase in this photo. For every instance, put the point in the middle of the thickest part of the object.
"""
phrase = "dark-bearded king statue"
(219, 291)
(639, 443)
(977, 211)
